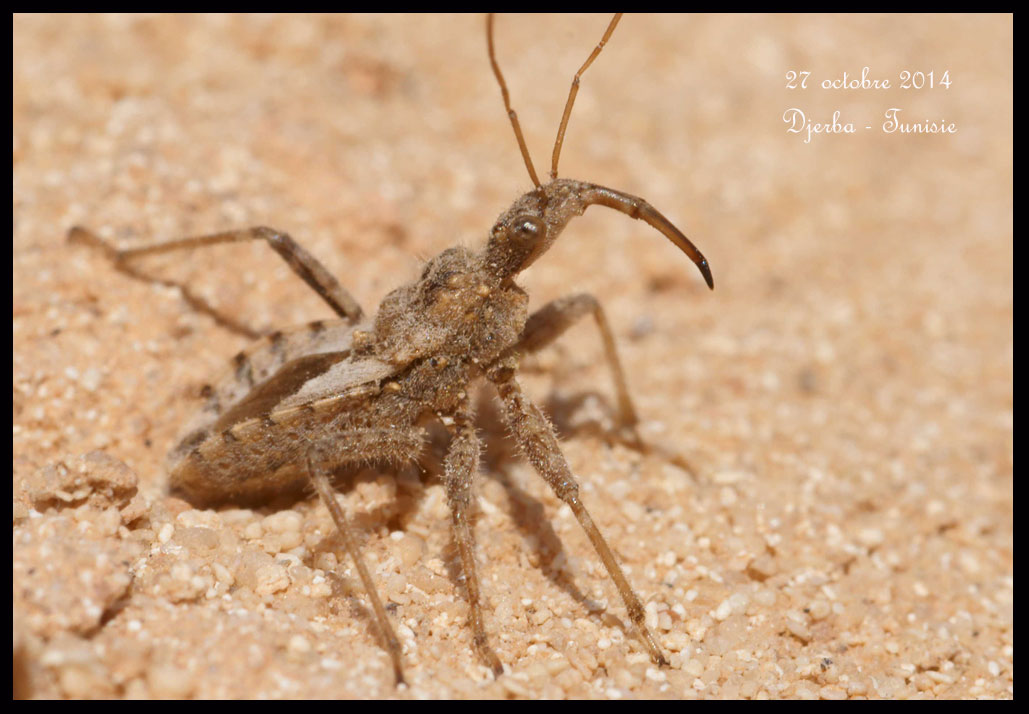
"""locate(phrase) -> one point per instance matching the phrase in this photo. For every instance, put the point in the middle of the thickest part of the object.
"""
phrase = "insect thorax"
(456, 311)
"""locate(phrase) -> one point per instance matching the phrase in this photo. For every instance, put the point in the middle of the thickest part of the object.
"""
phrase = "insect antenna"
(512, 115)
(575, 90)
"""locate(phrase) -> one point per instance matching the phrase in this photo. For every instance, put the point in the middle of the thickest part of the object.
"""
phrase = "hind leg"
(320, 478)
(303, 263)
(328, 454)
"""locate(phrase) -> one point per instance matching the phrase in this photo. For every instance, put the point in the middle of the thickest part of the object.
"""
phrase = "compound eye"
(527, 229)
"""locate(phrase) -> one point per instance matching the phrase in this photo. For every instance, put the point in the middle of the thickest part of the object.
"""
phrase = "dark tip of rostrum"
(705, 270)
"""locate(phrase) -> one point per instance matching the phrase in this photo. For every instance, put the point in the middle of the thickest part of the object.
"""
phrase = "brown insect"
(300, 405)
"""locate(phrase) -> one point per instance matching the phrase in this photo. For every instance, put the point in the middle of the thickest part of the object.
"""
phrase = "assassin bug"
(301, 404)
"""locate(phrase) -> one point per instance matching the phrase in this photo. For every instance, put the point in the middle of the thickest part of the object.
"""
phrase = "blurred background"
(849, 380)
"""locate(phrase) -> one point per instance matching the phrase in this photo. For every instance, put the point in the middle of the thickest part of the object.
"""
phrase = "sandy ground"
(844, 395)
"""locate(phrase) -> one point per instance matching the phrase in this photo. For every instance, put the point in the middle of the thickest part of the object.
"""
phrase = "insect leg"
(459, 467)
(536, 438)
(303, 263)
(550, 322)
(319, 472)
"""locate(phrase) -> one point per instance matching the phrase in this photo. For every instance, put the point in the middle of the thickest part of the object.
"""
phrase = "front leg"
(536, 437)
(550, 322)
(553, 319)
(459, 468)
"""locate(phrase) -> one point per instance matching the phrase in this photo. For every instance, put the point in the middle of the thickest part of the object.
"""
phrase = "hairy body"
(299, 406)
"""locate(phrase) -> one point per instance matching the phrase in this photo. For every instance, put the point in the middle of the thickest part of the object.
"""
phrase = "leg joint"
(567, 489)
